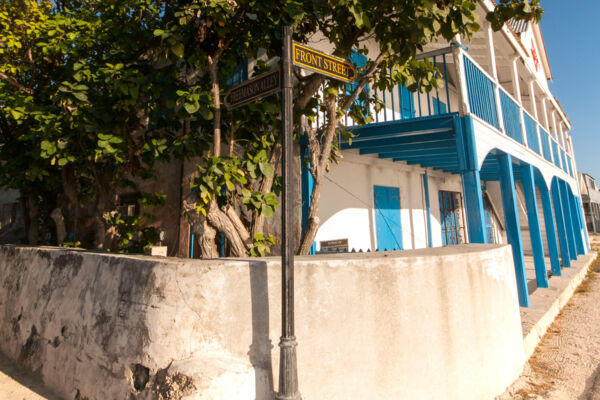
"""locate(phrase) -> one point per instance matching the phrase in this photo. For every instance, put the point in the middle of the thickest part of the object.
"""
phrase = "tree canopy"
(94, 93)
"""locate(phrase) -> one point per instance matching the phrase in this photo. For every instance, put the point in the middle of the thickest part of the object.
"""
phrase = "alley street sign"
(334, 67)
(253, 89)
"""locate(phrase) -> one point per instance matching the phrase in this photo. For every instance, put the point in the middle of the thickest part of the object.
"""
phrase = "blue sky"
(572, 39)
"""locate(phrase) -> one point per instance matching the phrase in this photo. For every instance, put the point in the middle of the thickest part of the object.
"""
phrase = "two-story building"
(486, 159)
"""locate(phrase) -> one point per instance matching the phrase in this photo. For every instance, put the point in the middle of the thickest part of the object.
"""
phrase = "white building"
(486, 159)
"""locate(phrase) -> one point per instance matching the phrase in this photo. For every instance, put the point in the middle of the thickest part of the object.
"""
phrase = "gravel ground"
(566, 363)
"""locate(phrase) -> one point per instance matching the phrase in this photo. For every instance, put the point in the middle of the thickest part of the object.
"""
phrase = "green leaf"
(177, 49)
(267, 211)
(191, 108)
(80, 96)
(266, 169)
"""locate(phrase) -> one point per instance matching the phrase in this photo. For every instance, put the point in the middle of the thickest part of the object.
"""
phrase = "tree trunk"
(213, 64)
(312, 221)
(266, 185)
(219, 220)
(59, 222)
(206, 240)
(34, 225)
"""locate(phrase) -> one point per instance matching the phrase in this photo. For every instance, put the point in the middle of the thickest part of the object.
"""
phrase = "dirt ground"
(16, 385)
(566, 363)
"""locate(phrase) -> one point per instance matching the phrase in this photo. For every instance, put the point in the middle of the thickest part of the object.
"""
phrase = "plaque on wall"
(334, 246)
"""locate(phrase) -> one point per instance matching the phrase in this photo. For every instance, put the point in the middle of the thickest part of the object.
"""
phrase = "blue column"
(474, 206)
(560, 224)
(576, 223)
(568, 220)
(513, 230)
(467, 155)
(428, 209)
(582, 219)
(550, 231)
(535, 233)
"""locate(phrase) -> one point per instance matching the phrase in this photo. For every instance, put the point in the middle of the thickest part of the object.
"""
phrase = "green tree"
(93, 93)
(85, 109)
(222, 32)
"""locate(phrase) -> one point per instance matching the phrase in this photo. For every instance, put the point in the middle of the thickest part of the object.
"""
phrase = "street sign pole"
(288, 369)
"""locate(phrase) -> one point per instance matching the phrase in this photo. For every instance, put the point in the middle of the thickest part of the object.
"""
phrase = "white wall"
(347, 208)
(422, 324)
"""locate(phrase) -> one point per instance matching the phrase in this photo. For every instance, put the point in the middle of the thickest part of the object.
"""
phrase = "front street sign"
(324, 64)
(253, 89)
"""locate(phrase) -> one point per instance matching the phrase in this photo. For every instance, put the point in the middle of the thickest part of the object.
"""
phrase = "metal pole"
(288, 370)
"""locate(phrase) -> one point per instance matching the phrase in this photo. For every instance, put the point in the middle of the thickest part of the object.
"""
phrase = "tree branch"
(14, 83)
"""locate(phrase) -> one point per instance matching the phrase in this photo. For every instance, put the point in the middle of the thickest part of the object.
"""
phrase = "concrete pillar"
(533, 219)
(513, 230)
(550, 231)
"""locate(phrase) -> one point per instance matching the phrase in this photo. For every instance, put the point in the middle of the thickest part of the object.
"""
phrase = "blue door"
(387, 218)
(451, 218)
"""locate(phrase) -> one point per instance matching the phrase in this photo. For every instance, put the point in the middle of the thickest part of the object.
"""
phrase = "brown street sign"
(253, 89)
(322, 63)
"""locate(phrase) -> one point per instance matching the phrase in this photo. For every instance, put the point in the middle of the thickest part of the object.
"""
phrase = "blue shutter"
(387, 218)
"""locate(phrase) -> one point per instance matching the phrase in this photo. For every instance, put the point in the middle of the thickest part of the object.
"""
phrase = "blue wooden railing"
(545, 144)
(531, 130)
(556, 154)
(511, 115)
(569, 166)
(480, 90)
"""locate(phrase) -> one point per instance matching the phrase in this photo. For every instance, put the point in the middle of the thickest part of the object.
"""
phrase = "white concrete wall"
(347, 207)
(424, 324)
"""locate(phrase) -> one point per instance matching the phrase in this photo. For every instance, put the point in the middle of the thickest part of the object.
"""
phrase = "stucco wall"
(420, 324)
(347, 210)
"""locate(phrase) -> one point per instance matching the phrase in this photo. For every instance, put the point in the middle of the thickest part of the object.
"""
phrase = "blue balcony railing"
(516, 122)
(481, 92)
(511, 115)
(556, 153)
(532, 136)
(545, 136)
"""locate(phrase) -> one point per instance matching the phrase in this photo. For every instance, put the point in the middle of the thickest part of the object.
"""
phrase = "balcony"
(421, 128)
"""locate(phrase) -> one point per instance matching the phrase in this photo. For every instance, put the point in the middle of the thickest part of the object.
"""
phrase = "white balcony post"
(461, 83)
(515, 80)
(545, 111)
(554, 135)
(536, 117)
(517, 90)
(554, 129)
(532, 99)
(492, 55)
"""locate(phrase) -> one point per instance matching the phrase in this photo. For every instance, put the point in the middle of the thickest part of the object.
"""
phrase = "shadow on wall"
(260, 349)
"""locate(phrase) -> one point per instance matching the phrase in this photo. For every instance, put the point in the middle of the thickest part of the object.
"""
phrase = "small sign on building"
(334, 246)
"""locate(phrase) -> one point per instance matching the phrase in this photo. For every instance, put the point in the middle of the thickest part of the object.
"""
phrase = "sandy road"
(566, 363)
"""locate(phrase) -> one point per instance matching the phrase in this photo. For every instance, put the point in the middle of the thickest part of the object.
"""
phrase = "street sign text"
(261, 86)
(322, 63)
